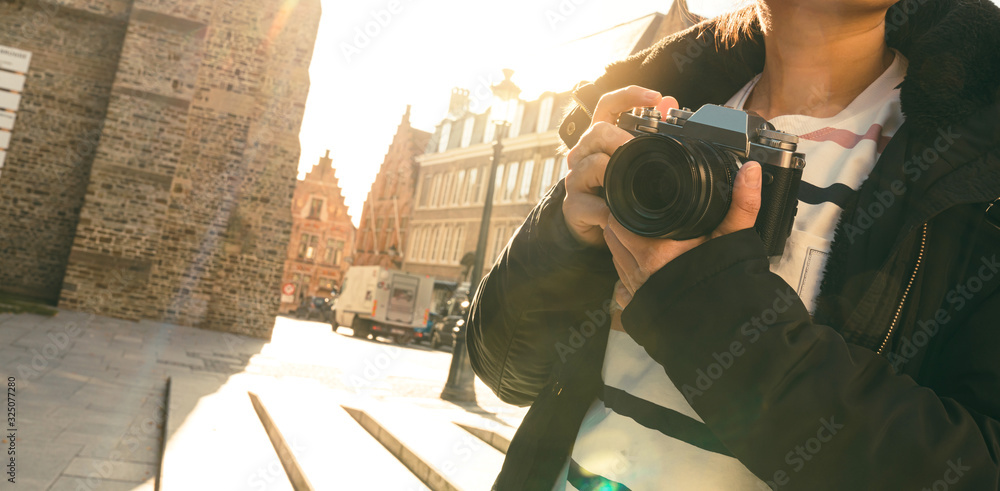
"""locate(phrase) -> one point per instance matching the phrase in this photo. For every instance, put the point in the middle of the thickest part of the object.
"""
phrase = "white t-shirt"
(642, 433)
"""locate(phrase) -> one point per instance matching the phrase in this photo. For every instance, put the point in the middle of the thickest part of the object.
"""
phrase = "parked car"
(315, 308)
(445, 330)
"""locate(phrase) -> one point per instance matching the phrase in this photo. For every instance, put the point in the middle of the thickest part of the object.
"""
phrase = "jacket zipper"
(906, 293)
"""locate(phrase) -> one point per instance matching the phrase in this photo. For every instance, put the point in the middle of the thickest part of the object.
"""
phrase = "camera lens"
(655, 184)
(670, 187)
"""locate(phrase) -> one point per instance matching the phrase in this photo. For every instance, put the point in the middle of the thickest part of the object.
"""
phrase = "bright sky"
(361, 83)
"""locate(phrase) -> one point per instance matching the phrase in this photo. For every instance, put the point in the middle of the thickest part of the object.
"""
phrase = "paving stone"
(76, 360)
(128, 338)
(97, 411)
(117, 470)
(42, 460)
(69, 377)
(145, 450)
(180, 360)
(74, 483)
(10, 334)
(93, 393)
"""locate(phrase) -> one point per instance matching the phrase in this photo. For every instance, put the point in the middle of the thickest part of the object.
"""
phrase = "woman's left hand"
(636, 258)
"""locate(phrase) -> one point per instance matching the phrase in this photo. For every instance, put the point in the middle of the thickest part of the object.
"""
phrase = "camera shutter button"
(778, 139)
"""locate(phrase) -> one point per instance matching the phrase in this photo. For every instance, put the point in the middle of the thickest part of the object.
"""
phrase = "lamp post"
(461, 379)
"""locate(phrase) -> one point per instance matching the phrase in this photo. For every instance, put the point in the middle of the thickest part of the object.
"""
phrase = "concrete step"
(445, 456)
(491, 438)
(214, 438)
(332, 449)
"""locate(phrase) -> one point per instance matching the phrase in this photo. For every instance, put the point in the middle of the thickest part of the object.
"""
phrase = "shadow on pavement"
(91, 393)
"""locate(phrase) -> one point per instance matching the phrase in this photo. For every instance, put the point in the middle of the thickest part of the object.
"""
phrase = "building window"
(435, 187)
(467, 131)
(334, 249)
(425, 191)
(547, 169)
(445, 135)
(315, 208)
(307, 246)
(491, 131)
(446, 189)
(498, 184)
(301, 283)
(515, 126)
(445, 245)
(473, 191)
(498, 241)
(434, 244)
(526, 175)
(326, 285)
(511, 182)
(545, 114)
(563, 167)
(414, 240)
(456, 255)
(456, 197)
(425, 244)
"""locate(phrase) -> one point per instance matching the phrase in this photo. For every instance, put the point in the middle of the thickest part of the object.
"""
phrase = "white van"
(379, 301)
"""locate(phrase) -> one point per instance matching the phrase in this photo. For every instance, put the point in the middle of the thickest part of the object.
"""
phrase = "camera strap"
(993, 213)
(576, 123)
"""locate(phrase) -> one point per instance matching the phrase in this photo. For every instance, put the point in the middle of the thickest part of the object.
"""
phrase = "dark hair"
(737, 24)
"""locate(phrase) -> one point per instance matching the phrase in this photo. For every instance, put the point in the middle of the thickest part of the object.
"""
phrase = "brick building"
(322, 234)
(454, 169)
(154, 156)
(384, 231)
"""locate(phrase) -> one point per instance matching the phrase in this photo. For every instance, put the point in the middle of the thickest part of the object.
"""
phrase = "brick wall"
(186, 215)
(75, 47)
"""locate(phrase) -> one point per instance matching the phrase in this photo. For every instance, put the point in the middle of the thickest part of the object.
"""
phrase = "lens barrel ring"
(670, 187)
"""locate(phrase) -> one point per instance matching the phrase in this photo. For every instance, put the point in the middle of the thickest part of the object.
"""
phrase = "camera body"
(675, 178)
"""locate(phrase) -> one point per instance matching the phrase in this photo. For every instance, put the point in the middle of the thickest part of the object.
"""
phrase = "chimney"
(459, 104)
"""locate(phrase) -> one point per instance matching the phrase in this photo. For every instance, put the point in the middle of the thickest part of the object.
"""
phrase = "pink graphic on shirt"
(849, 139)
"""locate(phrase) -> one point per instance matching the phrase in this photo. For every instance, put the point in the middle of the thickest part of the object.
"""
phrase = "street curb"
(163, 434)
(292, 468)
(491, 438)
(424, 471)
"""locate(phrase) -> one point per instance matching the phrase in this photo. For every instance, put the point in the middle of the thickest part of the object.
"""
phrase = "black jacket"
(914, 267)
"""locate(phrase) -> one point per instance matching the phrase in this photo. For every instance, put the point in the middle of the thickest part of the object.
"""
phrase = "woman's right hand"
(585, 211)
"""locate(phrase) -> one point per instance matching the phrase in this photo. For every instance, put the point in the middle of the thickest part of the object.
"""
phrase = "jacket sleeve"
(796, 404)
(531, 310)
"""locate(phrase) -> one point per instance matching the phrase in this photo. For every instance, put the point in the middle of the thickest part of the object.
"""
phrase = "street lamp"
(461, 379)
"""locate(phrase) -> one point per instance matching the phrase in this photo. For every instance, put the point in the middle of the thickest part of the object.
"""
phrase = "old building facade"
(453, 182)
(385, 230)
(155, 155)
(322, 234)
(453, 171)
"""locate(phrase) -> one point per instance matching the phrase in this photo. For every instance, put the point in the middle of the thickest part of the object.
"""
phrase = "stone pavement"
(90, 397)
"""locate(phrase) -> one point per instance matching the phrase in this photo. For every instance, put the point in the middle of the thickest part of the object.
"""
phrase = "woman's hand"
(636, 258)
(585, 212)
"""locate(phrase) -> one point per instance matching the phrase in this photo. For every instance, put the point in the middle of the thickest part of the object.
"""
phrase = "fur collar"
(953, 48)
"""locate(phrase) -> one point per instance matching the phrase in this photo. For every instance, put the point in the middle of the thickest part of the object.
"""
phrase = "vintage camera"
(675, 178)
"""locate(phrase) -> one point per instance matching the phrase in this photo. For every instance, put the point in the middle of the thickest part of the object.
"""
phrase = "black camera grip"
(778, 206)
